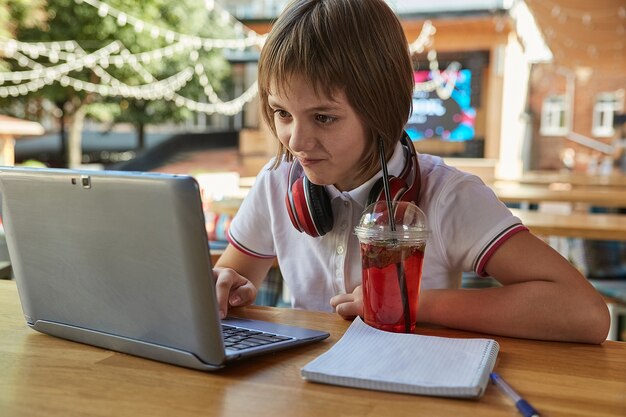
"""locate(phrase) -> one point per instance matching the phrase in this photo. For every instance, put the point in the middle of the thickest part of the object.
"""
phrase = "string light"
(251, 38)
(116, 53)
(74, 58)
(589, 18)
(55, 72)
(443, 82)
(163, 90)
(228, 108)
(595, 13)
(153, 91)
(424, 39)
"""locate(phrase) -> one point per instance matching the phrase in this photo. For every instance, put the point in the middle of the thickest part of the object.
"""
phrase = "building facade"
(534, 98)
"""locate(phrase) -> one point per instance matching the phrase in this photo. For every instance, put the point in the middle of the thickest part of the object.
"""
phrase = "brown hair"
(357, 46)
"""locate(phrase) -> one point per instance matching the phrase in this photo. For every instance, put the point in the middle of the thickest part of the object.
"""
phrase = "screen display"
(446, 112)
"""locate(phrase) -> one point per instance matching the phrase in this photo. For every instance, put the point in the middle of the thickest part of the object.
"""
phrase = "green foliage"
(24, 13)
(19, 13)
(104, 112)
(68, 20)
(32, 163)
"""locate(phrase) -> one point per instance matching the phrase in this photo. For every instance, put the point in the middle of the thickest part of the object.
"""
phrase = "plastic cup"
(392, 257)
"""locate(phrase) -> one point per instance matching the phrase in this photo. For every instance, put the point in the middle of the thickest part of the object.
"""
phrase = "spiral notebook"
(369, 358)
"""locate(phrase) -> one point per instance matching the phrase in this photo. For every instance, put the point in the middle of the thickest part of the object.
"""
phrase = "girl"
(334, 76)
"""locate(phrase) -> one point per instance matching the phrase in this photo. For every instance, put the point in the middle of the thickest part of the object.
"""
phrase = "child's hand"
(349, 306)
(232, 289)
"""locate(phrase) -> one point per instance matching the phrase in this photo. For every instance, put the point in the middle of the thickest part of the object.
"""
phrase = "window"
(605, 106)
(554, 116)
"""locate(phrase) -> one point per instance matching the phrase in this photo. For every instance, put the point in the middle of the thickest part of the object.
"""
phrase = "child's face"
(323, 133)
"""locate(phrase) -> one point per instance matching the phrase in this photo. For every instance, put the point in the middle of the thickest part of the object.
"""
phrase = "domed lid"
(409, 223)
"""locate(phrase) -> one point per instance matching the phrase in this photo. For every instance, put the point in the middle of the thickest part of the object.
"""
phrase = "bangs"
(298, 48)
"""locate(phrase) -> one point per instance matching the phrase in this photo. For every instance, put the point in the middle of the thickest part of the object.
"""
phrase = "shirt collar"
(361, 193)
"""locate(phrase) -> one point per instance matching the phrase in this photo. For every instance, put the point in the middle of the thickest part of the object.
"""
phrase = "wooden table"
(573, 178)
(46, 376)
(596, 196)
(582, 225)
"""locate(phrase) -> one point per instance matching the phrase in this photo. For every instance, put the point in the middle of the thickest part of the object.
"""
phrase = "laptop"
(121, 260)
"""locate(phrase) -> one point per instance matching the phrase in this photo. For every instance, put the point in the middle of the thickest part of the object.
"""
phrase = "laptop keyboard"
(238, 338)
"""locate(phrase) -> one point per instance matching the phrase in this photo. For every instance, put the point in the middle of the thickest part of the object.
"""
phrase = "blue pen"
(522, 405)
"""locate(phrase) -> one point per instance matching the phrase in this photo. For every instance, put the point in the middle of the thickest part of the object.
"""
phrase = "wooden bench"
(582, 225)
(535, 194)
(576, 179)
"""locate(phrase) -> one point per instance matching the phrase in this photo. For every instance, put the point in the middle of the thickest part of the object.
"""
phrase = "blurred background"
(506, 89)
(507, 86)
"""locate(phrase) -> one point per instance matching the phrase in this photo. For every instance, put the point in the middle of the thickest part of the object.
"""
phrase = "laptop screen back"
(117, 254)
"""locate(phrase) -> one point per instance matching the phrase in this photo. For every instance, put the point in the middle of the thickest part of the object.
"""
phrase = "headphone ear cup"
(309, 208)
(397, 190)
(319, 207)
(300, 214)
(292, 199)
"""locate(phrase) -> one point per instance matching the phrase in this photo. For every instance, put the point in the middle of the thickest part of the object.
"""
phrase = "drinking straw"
(392, 224)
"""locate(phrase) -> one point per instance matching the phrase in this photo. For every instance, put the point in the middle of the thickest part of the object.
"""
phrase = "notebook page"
(369, 358)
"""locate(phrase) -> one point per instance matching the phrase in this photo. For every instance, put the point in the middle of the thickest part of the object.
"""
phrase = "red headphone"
(309, 206)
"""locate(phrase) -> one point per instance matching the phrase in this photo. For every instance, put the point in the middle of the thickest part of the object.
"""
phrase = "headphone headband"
(412, 164)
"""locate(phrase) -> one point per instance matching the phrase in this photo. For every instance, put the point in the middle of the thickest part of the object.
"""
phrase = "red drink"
(383, 302)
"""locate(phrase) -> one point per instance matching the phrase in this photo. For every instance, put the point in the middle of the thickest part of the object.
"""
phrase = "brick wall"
(547, 80)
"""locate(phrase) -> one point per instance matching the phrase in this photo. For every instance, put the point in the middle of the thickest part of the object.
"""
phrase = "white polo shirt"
(466, 219)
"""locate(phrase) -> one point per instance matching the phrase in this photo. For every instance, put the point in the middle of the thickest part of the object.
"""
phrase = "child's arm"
(543, 297)
(238, 277)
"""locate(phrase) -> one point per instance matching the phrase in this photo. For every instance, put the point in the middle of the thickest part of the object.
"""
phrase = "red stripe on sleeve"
(493, 247)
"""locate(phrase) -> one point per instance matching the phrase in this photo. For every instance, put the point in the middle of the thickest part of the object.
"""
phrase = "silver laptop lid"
(115, 259)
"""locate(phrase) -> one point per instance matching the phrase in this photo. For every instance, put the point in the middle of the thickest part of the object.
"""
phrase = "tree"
(94, 29)
(22, 13)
